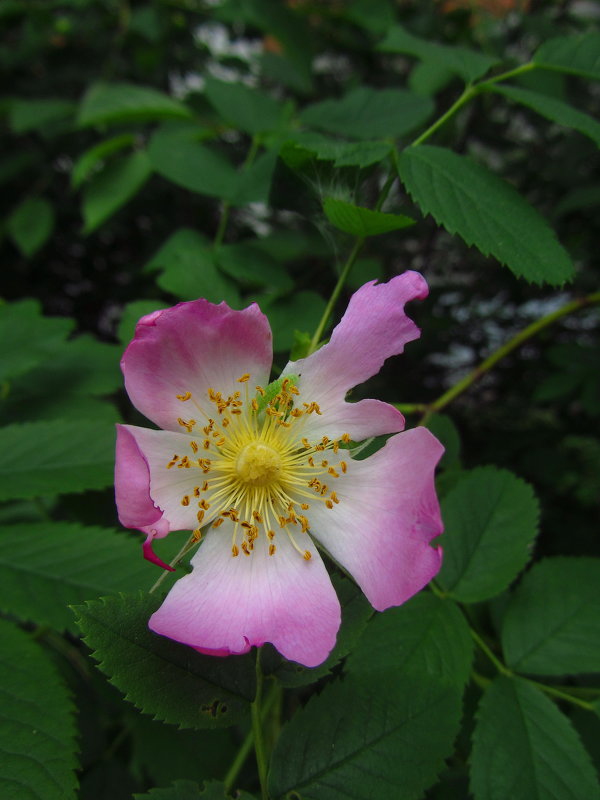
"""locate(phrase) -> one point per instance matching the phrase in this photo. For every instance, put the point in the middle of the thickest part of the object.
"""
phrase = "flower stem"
(257, 731)
(502, 669)
(467, 95)
(516, 341)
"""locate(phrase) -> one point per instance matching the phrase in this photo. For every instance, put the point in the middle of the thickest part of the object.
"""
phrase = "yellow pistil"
(263, 470)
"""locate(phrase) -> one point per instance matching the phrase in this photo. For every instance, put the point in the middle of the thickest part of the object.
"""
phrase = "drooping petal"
(387, 515)
(190, 348)
(168, 489)
(373, 328)
(227, 605)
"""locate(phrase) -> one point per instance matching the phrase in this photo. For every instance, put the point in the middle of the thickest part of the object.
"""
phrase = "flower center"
(258, 464)
(255, 466)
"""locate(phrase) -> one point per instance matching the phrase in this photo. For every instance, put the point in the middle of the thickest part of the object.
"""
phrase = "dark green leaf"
(468, 64)
(553, 109)
(193, 166)
(524, 748)
(552, 624)
(491, 520)
(110, 103)
(425, 636)
(485, 211)
(254, 182)
(363, 222)
(366, 113)
(170, 681)
(363, 270)
(442, 426)
(343, 154)
(113, 187)
(33, 115)
(27, 338)
(579, 55)
(46, 566)
(250, 266)
(37, 728)
(364, 739)
(92, 158)
(187, 790)
(30, 224)
(248, 109)
(300, 312)
(45, 458)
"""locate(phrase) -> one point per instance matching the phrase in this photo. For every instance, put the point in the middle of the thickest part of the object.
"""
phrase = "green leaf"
(27, 338)
(37, 728)
(300, 312)
(34, 115)
(170, 681)
(89, 161)
(578, 55)
(343, 154)
(189, 269)
(363, 270)
(356, 612)
(553, 109)
(366, 113)
(425, 636)
(250, 266)
(491, 520)
(44, 567)
(552, 624)
(118, 103)
(248, 109)
(364, 739)
(363, 222)
(485, 211)
(45, 458)
(187, 790)
(31, 224)
(193, 166)
(468, 64)
(113, 187)
(254, 182)
(442, 426)
(524, 748)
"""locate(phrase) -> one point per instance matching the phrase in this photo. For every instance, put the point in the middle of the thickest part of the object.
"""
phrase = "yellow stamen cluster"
(261, 473)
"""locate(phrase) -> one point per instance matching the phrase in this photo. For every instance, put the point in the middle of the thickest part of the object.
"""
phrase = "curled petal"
(387, 514)
(373, 328)
(226, 605)
(191, 348)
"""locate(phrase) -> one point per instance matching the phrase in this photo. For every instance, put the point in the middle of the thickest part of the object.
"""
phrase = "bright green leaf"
(468, 64)
(366, 113)
(491, 520)
(89, 161)
(363, 222)
(113, 187)
(250, 110)
(425, 636)
(485, 211)
(168, 680)
(193, 166)
(579, 55)
(36, 115)
(364, 739)
(31, 224)
(37, 727)
(45, 458)
(552, 624)
(553, 109)
(524, 748)
(117, 103)
(27, 338)
(44, 567)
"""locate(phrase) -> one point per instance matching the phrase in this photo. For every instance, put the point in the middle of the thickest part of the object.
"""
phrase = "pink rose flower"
(266, 471)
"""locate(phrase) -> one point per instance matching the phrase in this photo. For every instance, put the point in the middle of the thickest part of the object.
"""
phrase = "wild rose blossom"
(264, 469)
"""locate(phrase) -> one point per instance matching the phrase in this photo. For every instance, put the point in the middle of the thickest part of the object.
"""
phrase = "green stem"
(226, 208)
(257, 731)
(502, 352)
(246, 745)
(503, 670)
(505, 76)
(560, 695)
(185, 549)
(468, 93)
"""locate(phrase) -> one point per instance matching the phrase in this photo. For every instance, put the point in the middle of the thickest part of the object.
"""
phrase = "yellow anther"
(189, 425)
(244, 378)
(173, 461)
(254, 404)
(218, 522)
(343, 466)
(306, 443)
(246, 549)
(185, 500)
(235, 551)
(324, 463)
(304, 506)
(307, 555)
(203, 504)
(194, 446)
(183, 397)
(184, 463)
(196, 535)
(272, 549)
(270, 535)
(200, 515)
(346, 438)
(196, 491)
(204, 487)
(334, 497)
(260, 390)
(206, 444)
(328, 503)
(333, 472)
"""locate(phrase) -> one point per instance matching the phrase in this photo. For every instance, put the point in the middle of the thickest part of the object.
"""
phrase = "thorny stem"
(516, 341)
(257, 731)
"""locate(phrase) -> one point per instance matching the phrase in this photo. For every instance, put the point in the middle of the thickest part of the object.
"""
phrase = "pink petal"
(387, 515)
(166, 487)
(190, 348)
(373, 328)
(227, 605)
